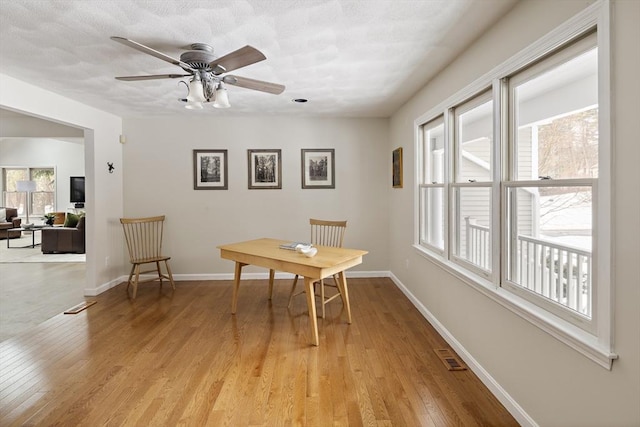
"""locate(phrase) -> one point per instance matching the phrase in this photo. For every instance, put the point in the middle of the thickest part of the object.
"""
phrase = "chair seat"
(152, 259)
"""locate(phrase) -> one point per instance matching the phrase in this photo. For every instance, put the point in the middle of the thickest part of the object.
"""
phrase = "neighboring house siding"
(526, 223)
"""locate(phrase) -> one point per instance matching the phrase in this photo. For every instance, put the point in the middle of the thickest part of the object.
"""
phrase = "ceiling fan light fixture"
(196, 91)
(193, 105)
(222, 98)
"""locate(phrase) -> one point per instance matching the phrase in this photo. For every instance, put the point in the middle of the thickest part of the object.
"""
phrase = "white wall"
(158, 168)
(553, 384)
(66, 157)
(104, 190)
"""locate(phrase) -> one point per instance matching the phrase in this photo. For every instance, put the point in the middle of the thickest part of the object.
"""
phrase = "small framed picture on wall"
(396, 168)
(210, 170)
(318, 168)
(265, 169)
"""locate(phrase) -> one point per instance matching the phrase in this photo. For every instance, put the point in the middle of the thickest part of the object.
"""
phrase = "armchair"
(64, 239)
(9, 220)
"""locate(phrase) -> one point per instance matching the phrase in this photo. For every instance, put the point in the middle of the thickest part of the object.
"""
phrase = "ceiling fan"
(206, 72)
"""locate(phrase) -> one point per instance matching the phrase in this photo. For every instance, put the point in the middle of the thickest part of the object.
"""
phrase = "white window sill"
(583, 342)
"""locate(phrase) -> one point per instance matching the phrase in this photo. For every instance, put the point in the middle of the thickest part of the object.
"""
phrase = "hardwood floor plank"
(180, 358)
(31, 293)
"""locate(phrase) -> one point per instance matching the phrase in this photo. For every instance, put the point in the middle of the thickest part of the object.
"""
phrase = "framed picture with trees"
(318, 168)
(210, 170)
(265, 169)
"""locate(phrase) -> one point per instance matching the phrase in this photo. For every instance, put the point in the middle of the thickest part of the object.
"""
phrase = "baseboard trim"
(92, 292)
(496, 389)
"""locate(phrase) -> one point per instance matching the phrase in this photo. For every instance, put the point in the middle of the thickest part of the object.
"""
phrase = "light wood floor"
(180, 358)
(31, 293)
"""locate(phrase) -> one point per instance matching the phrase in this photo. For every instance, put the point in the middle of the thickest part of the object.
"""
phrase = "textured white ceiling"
(358, 58)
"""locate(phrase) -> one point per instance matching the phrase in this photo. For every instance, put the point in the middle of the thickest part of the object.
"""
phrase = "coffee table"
(33, 236)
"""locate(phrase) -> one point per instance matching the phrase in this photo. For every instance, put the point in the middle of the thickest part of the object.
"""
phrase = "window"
(432, 195)
(11, 198)
(41, 201)
(472, 183)
(549, 189)
(512, 193)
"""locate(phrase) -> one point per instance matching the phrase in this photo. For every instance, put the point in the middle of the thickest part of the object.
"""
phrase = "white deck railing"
(478, 244)
(559, 272)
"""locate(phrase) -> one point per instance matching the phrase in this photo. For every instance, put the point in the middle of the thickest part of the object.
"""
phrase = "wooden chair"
(144, 241)
(324, 233)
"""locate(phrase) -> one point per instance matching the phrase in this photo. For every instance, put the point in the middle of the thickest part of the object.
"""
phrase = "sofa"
(9, 219)
(66, 239)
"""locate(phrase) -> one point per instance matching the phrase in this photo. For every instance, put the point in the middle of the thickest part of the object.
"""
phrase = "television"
(77, 191)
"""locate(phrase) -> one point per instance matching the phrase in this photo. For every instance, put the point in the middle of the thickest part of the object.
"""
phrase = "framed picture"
(265, 169)
(396, 168)
(318, 168)
(210, 170)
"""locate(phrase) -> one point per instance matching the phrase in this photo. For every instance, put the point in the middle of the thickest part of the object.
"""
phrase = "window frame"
(594, 342)
(29, 198)
(457, 185)
(425, 185)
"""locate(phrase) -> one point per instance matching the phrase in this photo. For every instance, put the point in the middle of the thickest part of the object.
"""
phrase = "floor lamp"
(27, 187)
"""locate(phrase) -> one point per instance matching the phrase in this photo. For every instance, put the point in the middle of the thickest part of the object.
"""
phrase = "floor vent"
(450, 360)
(78, 308)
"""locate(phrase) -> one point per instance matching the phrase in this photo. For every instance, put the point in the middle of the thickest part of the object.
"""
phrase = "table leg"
(236, 286)
(272, 274)
(311, 304)
(344, 290)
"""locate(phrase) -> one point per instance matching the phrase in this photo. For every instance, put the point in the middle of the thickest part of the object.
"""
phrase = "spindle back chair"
(324, 233)
(144, 242)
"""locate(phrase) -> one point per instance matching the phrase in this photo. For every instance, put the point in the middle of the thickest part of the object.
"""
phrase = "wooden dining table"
(267, 253)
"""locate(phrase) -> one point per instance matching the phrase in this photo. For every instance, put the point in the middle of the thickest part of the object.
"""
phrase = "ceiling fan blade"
(237, 59)
(152, 52)
(260, 85)
(153, 77)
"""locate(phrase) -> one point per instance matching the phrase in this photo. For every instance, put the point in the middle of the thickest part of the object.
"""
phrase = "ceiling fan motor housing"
(199, 57)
